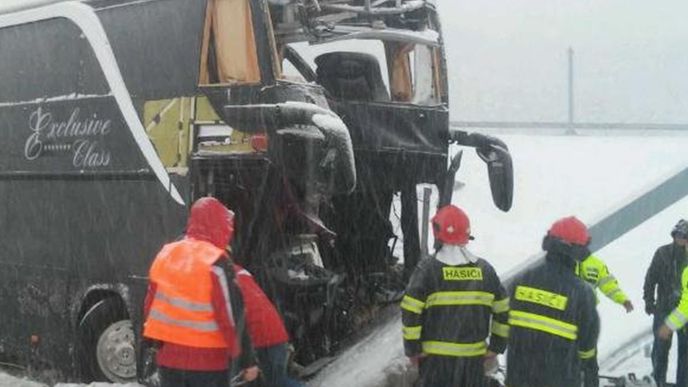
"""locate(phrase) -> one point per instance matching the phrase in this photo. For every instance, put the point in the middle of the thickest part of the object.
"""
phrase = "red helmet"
(570, 230)
(451, 226)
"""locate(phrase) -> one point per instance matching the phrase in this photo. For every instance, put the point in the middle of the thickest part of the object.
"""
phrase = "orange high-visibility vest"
(182, 311)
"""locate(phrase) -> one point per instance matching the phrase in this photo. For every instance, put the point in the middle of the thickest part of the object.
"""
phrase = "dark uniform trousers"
(660, 355)
(446, 371)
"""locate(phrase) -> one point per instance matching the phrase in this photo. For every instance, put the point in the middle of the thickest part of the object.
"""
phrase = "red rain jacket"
(265, 325)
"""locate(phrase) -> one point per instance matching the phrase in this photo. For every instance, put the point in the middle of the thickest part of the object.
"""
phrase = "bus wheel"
(107, 343)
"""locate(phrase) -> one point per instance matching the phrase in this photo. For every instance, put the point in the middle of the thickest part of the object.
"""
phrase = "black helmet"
(680, 229)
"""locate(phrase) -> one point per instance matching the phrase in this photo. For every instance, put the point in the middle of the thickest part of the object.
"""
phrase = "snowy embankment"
(583, 175)
(10, 381)
(555, 175)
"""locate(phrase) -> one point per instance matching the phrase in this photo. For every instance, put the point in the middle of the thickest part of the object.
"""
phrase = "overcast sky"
(508, 61)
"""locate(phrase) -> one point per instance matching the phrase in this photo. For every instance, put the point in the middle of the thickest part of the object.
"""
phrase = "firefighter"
(267, 331)
(553, 319)
(671, 308)
(193, 308)
(446, 311)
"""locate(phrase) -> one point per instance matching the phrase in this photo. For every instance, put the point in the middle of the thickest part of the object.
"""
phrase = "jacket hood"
(555, 245)
(211, 221)
(455, 255)
(563, 260)
(562, 253)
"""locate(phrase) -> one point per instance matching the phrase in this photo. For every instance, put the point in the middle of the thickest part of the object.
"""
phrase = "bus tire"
(107, 343)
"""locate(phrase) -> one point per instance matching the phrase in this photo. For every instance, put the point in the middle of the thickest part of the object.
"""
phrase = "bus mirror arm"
(271, 117)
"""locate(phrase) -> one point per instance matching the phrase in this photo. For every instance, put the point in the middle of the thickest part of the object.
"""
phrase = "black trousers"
(660, 355)
(170, 377)
(591, 371)
(446, 371)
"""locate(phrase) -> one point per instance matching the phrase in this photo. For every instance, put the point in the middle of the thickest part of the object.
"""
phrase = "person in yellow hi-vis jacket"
(454, 302)
(593, 271)
(677, 319)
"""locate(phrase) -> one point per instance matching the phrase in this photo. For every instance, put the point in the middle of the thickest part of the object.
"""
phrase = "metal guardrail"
(566, 125)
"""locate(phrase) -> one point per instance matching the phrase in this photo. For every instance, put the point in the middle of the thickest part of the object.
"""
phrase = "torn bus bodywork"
(185, 99)
(323, 245)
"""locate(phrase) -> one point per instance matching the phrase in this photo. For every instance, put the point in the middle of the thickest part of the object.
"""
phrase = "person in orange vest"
(267, 331)
(193, 308)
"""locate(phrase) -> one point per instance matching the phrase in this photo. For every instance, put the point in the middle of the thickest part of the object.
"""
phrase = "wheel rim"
(115, 352)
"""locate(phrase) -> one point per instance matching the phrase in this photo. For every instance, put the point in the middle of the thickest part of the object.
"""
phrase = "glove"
(664, 332)
(250, 374)
(649, 308)
(490, 363)
(416, 359)
(628, 305)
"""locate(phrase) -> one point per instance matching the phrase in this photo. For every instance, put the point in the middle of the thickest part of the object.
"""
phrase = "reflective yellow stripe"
(412, 333)
(618, 296)
(454, 349)
(412, 305)
(500, 329)
(606, 280)
(460, 298)
(611, 292)
(500, 306)
(676, 320)
(587, 354)
(542, 323)
(541, 297)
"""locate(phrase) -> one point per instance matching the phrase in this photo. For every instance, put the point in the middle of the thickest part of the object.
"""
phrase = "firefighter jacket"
(664, 277)
(593, 271)
(553, 326)
(447, 309)
(679, 316)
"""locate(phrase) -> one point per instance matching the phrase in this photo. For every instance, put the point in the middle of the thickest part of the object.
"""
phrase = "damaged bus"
(118, 114)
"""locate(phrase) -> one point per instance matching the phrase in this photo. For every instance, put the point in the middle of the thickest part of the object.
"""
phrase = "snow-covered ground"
(586, 175)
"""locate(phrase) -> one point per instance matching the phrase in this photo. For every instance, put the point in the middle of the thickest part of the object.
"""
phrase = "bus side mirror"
(495, 154)
(501, 173)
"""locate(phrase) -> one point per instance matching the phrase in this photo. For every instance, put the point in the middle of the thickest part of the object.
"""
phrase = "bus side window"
(228, 52)
(413, 73)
